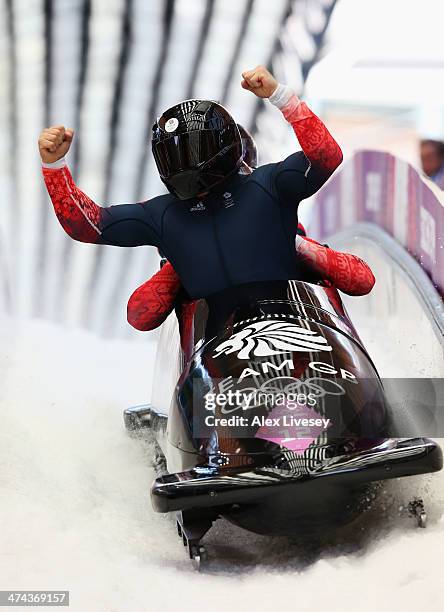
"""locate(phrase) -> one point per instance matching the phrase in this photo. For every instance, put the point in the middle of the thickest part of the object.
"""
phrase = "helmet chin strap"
(245, 169)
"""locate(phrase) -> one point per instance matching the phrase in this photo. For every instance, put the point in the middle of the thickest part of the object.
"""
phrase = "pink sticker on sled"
(292, 430)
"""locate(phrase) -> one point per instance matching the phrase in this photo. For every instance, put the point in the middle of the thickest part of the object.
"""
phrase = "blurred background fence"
(107, 68)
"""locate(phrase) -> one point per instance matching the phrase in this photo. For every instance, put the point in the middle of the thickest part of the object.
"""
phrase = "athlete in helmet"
(151, 303)
(222, 224)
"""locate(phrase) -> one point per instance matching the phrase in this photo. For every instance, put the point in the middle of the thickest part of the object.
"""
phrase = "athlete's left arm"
(303, 173)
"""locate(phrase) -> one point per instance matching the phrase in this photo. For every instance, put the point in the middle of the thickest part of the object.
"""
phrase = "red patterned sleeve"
(346, 272)
(77, 213)
(152, 302)
(319, 146)
(123, 225)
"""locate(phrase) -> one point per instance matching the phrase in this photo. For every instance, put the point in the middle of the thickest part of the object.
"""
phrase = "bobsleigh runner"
(268, 411)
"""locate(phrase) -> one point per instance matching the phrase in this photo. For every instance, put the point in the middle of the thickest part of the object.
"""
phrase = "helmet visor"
(188, 151)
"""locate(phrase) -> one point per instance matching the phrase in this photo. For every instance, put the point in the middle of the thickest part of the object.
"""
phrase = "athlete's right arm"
(80, 217)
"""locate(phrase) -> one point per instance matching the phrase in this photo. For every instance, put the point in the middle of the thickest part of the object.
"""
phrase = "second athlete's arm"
(345, 271)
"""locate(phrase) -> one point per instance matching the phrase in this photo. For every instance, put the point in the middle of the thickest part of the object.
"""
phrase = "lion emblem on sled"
(266, 338)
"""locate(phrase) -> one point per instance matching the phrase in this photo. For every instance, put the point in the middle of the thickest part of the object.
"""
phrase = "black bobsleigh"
(305, 431)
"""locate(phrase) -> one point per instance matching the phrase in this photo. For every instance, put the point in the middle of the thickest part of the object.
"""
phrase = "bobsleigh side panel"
(335, 368)
(287, 338)
(288, 346)
(168, 365)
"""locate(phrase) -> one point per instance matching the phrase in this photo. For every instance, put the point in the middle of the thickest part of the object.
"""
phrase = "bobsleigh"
(268, 411)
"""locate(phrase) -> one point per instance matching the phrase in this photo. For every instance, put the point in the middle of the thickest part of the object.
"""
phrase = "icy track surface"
(75, 510)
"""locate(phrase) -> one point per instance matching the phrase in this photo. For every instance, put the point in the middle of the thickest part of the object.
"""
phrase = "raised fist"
(54, 143)
(259, 81)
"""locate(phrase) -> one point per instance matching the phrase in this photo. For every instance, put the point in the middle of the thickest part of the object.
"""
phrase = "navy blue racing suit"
(242, 232)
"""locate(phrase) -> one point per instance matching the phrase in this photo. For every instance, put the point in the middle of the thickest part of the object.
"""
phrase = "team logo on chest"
(198, 207)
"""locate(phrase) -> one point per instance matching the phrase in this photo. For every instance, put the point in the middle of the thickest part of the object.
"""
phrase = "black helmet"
(196, 145)
(250, 153)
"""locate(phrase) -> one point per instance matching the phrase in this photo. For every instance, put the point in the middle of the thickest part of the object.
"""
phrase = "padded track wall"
(378, 188)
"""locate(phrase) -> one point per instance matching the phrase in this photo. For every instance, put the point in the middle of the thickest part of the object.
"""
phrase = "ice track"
(75, 510)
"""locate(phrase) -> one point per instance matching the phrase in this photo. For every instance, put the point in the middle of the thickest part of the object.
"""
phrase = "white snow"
(75, 511)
